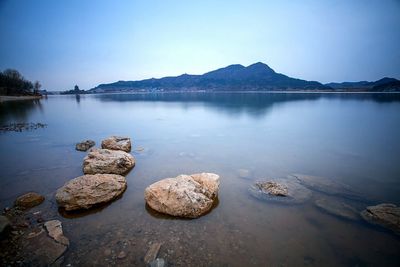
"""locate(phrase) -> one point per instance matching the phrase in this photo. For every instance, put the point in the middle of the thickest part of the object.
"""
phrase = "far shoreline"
(6, 98)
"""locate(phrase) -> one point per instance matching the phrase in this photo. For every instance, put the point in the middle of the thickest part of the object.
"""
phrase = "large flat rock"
(85, 191)
(108, 162)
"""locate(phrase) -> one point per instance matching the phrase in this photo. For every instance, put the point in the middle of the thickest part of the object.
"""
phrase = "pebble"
(121, 255)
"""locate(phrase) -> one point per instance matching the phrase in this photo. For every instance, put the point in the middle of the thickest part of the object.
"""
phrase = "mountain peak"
(260, 67)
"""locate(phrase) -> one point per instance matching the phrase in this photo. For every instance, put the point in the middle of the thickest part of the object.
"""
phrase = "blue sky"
(63, 43)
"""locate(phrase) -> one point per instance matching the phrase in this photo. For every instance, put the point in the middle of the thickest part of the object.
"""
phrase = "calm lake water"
(350, 138)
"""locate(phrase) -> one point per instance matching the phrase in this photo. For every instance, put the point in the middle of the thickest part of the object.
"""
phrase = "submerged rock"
(272, 188)
(244, 173)
(152, 253)
(85, 145)
(107, 161)
(55, 231)
(4, 225)
(117, 143)
(40, 249)
(337, 208)
(29, 200)
(85, 191)
(185, 195)
(385, 215)
(280, 190)
(327, 186)
(159, 262)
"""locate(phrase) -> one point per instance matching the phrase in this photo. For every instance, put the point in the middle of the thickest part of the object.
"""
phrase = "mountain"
(383, 85)
(258, 76)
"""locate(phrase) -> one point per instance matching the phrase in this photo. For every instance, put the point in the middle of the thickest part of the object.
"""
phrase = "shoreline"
(241, 92)
(6, 98)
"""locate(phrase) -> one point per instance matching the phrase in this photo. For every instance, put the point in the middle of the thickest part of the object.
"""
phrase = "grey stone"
(84, 145)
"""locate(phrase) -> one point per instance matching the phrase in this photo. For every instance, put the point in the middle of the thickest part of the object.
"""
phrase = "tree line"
(13, 83)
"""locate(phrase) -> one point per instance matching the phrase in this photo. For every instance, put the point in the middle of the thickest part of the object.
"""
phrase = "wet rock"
(280, 190)
(244, 173)
(107, 161)
(117, 143)
(272, 188)
(386, 215)
(327, 186)
(29, 200)
(55, 231)
(185, 195)
(5, 225)
(337, 208)
(41, 250)
(85, 145)
(152, 253)
(159, 262)
(85, 191)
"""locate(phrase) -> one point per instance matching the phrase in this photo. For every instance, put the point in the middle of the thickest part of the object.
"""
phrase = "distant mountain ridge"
(255, 77)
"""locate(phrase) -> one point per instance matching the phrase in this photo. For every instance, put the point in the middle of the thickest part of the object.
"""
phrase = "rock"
(29, 200)
(121, 255)
(244, 173)
(117, 143)
(5, 225)
(85, 191)
(55, 231)
(107, 161)
(152, 253)
(385, 215)
(337, 208)
(84, 145)
(272, 188)
(159, 262)
(41, 250)
(327, 186)
(185, 195)
(280, 190)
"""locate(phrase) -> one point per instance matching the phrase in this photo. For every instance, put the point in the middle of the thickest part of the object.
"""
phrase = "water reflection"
(254, 104)
(18, 111)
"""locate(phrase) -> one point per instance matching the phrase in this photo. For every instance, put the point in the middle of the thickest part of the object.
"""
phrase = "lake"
(350, 138)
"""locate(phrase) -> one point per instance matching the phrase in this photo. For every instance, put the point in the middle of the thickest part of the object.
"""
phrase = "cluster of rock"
(37, 243)
(297, 188)
(103, 180)
(187, 196)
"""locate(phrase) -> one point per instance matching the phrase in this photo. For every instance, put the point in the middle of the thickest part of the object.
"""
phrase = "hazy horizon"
(87, 43)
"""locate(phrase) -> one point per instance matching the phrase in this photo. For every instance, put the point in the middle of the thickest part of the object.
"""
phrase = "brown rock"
(84, 145)
(117, 143)
(385, 215)
(185, 195)
(29, 200)
(41, 250)
(107, 161)
(272, 188)
(85, 191)
(55, 231)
